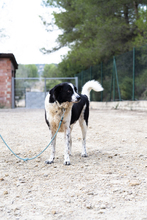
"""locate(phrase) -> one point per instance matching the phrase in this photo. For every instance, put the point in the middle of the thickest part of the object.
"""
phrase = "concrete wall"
(123, 105)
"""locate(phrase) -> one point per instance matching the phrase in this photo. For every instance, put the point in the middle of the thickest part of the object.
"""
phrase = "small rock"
(86, 165)
(103, 206)
(101, 212)
(1, 179)
(109, 173)
(134, 183)
(5, 192)
(54, 212)
(22, 181)
(88, 206)
(90, 193)
(45, 175)
(68, 201)
(16, 209)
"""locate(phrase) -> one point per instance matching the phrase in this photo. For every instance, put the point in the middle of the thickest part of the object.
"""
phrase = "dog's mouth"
(76, 100)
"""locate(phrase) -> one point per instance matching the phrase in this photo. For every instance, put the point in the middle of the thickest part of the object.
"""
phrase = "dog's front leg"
(53, 144)
(67, 147)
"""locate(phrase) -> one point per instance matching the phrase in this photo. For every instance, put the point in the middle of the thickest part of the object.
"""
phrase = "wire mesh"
(123, 77)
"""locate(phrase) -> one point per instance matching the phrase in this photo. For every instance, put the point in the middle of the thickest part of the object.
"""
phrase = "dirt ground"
(111, 183)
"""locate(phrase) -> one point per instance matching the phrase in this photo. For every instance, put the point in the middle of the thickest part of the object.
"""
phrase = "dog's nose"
(78, 98)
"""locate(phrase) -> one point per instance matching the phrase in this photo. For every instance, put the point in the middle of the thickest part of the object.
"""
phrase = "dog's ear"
(55, 91)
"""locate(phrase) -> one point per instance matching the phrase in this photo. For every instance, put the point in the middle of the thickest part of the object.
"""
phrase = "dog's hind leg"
(84, 131)
(53, 144)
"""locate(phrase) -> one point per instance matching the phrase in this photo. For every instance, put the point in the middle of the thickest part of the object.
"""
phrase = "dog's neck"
(64, 105)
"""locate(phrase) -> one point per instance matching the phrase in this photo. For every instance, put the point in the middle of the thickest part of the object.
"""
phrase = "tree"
(22, 71)
(141, 24)
(95, 30)
(26, 71)
(50, 70)
(32, 70)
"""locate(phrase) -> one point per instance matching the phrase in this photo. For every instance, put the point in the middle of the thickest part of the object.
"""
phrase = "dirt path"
(111, 183)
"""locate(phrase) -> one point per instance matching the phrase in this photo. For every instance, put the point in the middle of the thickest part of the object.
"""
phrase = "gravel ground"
(111, 183)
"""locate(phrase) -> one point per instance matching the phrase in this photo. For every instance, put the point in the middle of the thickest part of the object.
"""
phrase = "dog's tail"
(95, 85)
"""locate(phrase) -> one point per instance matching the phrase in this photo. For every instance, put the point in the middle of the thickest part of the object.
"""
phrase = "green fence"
(124, 77)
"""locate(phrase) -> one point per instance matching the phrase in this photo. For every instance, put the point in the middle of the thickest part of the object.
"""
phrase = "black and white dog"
(64, 97)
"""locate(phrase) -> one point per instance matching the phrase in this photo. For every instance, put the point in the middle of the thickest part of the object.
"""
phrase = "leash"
(26, 159)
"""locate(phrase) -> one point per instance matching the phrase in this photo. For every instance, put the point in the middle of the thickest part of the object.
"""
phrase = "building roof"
(11, 57)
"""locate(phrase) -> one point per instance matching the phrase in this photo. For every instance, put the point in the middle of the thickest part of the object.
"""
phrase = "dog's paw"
(84, 155)
(66, 162)
(49, 161)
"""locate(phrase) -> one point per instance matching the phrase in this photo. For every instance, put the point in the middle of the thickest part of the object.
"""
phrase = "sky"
(25, 33)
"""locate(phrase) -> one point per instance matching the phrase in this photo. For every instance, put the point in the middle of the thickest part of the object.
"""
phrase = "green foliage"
(51, 83)
(126, 88)
(32, 70)
(96, 30)
(141, 85)
(141, 31)
(22, 71)
(26, 71)
(50, 70)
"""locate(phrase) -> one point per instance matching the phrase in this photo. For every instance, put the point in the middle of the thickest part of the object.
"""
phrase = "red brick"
(6, 68)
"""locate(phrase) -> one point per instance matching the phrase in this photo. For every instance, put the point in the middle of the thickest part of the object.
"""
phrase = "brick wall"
(6, 70)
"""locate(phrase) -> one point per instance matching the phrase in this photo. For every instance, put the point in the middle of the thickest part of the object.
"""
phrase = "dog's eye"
(68, 91)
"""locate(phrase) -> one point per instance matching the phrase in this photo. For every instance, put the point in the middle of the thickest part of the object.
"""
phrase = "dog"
(64, 98)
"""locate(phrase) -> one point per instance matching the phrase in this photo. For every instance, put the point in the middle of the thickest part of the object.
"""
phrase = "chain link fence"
(123, 77)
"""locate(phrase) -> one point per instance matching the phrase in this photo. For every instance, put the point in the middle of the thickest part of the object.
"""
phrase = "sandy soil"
(111, 183)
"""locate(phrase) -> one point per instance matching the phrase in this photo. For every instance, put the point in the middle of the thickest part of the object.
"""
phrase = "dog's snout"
(78, 98)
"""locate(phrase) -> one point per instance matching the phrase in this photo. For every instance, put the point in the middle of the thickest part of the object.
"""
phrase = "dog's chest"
(54, 113)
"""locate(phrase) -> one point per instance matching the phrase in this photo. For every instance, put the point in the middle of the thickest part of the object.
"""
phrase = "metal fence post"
(76, 82)
(111, 86)
(117, 78)
(12, 93)
(113, 79)
(102, 80)
(45, 86)
(90, 72)
(82, 79)
(133, 88)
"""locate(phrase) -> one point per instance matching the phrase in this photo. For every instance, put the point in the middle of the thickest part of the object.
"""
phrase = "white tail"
(95, 85)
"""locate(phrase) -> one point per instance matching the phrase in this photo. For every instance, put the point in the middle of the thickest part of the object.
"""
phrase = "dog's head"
(64, 92)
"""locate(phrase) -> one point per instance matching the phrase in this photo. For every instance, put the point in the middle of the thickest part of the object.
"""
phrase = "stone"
(5, 192)
(54, 212)
(134, 183)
